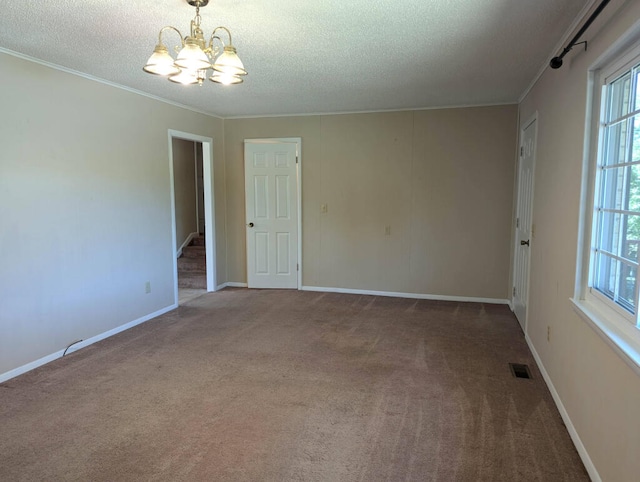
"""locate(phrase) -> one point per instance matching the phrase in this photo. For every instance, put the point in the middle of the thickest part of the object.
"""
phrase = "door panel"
(524, 222)
(261, 197)
(283, 197)
(261, 252)
(283, 251)
(271, 176)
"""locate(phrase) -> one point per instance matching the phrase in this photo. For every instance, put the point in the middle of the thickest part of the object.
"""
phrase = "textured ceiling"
(308, 57)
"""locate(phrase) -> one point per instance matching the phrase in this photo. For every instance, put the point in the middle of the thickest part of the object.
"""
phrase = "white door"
(524, 223)
(271, 189)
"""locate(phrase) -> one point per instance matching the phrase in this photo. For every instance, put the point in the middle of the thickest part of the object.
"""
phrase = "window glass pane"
(633, 194)
(619, 93)
(631, 238)
(621, 188)
(627, 287)
(635, 139)
(605, 280)
(620, 234)
(612, 228)
(614, 193)
(615, 147)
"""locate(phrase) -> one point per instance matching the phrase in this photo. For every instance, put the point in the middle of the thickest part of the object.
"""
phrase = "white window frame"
(617, 326)
(607, 78)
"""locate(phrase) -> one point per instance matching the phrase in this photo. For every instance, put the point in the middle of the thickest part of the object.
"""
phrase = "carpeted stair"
(192, 268)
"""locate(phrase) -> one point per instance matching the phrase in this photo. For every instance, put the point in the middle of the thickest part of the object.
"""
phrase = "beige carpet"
(284, 385)
(188, 294)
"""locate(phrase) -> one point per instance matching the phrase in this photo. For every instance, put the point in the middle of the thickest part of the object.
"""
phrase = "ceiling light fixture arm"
(169, 27)
(212, 49)
(214, 36)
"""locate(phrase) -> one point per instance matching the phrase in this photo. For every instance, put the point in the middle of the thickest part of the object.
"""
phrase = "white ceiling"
(305, 56)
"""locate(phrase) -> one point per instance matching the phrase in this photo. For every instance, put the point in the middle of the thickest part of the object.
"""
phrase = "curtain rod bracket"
(583, 42)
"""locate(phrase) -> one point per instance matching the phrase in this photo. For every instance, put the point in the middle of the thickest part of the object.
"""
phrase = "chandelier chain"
(197, 17)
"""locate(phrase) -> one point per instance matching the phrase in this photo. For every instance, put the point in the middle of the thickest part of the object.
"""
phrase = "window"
(607, 284)
(616, 223)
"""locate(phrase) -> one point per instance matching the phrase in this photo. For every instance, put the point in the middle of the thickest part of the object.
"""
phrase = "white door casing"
(272, 212)
(524, 214)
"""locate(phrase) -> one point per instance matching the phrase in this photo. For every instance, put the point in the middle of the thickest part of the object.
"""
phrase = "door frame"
(298, 142)
(523, 126)
(209, 207)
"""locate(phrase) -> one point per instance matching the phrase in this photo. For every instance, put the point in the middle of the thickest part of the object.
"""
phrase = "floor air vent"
(519, 370)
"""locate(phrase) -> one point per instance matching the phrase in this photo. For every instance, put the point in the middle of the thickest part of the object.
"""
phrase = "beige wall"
(441, 179)
(184, 182)
(600, 392)
(85, 207)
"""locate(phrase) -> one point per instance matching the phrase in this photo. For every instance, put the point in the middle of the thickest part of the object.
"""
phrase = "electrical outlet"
(387, 230)
(548, 333)
(147, 287)
(324, 209)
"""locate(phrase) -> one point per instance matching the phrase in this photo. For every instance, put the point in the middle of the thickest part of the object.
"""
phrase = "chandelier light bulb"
(229, 63)
(192, 57)
(225, 79)
(185, 77)
(160, 62)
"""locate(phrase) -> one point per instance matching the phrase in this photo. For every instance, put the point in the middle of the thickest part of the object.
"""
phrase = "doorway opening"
(192, 215)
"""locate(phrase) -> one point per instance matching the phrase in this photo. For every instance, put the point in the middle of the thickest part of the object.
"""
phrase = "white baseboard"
(231, 284)
(582, 451)
(30, 366)
(395, 294)
(186, 243)
(54, 356)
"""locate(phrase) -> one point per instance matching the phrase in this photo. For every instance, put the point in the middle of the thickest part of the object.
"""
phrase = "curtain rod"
(556, 62)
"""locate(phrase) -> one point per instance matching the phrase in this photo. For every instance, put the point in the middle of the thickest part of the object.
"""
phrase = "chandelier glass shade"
(196, 57)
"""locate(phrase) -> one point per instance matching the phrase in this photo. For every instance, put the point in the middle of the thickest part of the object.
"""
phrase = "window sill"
(623, 337)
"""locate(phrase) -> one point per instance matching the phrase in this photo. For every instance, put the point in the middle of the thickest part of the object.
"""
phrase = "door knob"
(250, 225)
(524, 243)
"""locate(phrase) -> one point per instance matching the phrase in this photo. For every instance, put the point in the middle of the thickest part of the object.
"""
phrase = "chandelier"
(195, 57)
